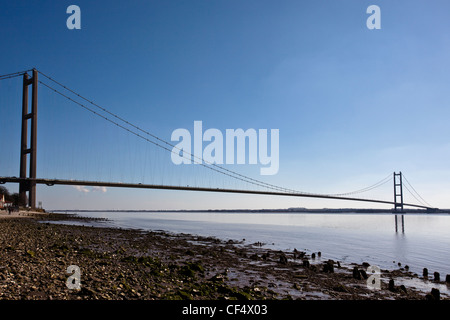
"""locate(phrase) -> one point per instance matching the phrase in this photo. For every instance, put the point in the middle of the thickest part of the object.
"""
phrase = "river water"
(417, 240)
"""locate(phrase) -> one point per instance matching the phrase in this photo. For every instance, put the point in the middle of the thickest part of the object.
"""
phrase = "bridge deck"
(51, 182)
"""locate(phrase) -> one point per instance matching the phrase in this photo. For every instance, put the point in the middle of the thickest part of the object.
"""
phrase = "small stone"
(31, 253)
(306, 263)
(313, 255)
(339, 288)
(447, 278)
(425, 272)
(218, 278)
(283, 259)
(403, 288)
(319, 254)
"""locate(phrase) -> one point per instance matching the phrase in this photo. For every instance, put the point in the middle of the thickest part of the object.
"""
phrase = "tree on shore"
(5, 192)
(14, 198)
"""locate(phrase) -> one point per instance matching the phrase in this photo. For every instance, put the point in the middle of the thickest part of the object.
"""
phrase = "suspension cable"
(418, 200)
(199, 160)
(241, 177)
(161, 143)
(13, 75)
(376, 185)
(424, 201)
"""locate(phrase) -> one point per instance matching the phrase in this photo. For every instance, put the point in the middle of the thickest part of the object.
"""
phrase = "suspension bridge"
(28, 176)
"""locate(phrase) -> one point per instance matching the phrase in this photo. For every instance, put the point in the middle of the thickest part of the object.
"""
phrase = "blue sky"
(352, 105)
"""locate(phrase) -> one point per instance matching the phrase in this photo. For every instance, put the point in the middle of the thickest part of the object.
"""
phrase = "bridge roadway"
(51, 182)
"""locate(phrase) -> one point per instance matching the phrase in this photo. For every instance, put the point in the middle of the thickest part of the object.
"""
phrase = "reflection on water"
(402, 221)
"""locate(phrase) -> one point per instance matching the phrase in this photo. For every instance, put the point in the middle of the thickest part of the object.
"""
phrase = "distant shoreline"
(289, 210)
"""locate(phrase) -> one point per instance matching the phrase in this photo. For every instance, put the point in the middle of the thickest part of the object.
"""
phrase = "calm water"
(423, 241)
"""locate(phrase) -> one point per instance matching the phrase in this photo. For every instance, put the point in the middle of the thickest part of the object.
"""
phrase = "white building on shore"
(3, 202)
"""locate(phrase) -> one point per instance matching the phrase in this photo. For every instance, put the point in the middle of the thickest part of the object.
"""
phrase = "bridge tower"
(398, 191)
(29, 185)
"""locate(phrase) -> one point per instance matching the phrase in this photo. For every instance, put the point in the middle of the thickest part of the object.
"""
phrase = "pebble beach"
(131, 264)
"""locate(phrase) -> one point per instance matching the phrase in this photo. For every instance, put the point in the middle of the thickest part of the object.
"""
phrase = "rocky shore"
(132, 264)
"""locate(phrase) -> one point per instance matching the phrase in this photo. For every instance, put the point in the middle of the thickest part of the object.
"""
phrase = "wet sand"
(118, 264)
